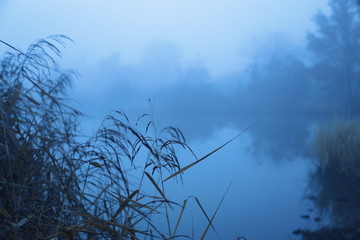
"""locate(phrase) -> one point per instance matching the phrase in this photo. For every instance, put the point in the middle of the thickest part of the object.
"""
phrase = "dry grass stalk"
(337, 146)
(52, 187)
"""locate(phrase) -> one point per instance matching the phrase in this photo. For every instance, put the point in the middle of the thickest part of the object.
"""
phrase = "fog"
(211, 31)
(214, 69)
(272, 93)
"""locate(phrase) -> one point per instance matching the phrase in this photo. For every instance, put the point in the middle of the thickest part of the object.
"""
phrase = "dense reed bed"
(337, 148)
(335, 180)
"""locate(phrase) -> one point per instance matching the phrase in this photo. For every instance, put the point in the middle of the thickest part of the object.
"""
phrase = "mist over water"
(287, 84)
(270, 178)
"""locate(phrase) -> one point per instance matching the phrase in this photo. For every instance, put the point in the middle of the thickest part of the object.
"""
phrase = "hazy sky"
(219, 33)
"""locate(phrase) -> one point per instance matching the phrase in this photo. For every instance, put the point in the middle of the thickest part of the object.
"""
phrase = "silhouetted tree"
(335, 47)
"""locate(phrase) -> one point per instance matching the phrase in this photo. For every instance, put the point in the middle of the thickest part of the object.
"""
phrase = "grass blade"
(206, 156)
(180, 216)
(217, 209)
(155, 185)
(124, 204)
(204, 212)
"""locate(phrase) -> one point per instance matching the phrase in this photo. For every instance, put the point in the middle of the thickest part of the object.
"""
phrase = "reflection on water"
(337, 196)
(333, 188)
(269, 200)
(264, 201)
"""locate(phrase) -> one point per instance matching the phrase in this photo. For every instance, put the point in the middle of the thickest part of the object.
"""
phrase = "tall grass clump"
(337, 147)
(336, 178)
(53, 187)
(37, 131)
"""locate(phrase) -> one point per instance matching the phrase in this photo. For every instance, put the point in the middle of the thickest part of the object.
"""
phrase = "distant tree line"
(294, 90)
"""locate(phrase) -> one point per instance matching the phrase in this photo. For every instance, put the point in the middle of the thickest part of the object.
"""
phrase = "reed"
(334, 182)
(337, 147)
(54, 187)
